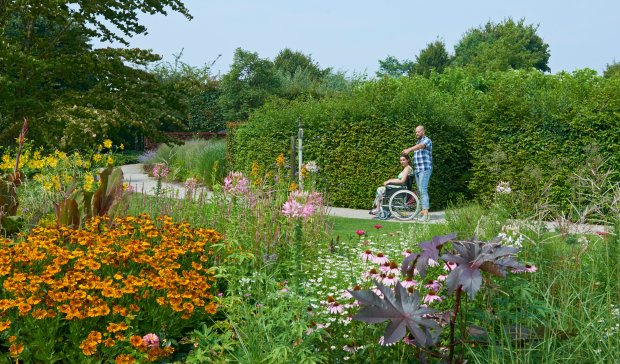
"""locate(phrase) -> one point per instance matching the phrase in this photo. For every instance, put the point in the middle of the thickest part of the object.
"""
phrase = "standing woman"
(405, 162)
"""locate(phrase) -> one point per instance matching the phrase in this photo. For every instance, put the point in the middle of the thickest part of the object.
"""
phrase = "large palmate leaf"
(430, 250)
(402, 310)
(472, 258)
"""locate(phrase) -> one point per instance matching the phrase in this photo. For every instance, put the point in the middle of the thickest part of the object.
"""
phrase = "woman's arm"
(396, 181)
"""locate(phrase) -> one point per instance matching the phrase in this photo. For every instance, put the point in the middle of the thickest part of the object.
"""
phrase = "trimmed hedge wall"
(357, 138)
(526, 127)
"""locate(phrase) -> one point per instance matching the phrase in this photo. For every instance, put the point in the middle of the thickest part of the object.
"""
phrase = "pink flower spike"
(151, 340)
(360, 232)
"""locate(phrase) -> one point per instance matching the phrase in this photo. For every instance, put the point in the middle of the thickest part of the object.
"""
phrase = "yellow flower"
(280, 160)
(88, 182)
(110, 160)
(107, 143)
(121, 147)
(292, 187)
(97, 157)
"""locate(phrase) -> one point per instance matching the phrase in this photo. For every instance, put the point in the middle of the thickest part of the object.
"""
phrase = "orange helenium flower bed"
(106, 279)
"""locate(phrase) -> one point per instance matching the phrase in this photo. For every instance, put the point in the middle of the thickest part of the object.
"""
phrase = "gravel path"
(134, 174)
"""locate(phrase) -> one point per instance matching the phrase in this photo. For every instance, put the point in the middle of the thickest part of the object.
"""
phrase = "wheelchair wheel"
(404, 205)
(383, 214)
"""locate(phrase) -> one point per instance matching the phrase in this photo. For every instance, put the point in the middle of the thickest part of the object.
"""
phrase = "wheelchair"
(399, 201)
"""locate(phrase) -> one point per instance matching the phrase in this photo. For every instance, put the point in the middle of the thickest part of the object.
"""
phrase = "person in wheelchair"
(403, 181)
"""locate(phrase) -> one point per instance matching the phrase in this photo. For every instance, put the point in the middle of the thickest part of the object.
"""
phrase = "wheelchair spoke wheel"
(404, 205)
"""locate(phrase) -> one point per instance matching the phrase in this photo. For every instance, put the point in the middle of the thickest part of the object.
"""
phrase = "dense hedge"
(526, 127)
(356, 138)
(541, 131)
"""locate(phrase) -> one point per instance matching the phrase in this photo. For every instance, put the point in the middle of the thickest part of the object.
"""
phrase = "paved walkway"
(141, 182)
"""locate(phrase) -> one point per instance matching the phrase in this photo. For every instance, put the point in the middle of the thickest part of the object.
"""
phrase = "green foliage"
(392, 67)
(198, 92)
(71, 93)
(612, 70)
(536, 131)
(433, 57)
(356, 138)
(502, 46)
(203, 160)
(249, 83)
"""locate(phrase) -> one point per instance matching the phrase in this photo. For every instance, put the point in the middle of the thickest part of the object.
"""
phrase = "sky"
(352, 36)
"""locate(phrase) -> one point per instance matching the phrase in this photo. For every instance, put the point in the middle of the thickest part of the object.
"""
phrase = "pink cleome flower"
(160, 170)
(301, 204)
(235, 183)
(151, 340)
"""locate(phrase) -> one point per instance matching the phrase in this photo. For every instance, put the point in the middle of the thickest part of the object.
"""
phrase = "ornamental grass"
(92, 294)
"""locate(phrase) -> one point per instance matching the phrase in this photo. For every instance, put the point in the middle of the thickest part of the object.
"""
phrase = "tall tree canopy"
(612, 70)
(74, 94)
(433, 57)
(502, 46)
(392, 67)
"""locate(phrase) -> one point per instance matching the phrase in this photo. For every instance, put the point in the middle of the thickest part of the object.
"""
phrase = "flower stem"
(453, 322)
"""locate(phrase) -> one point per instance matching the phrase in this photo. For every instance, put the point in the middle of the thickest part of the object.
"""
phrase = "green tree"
(502, 46)
(291, 62)
(433, 57)
(249, 83)
(71, 93)
(392, 67)
(612, 70)
(197, 90)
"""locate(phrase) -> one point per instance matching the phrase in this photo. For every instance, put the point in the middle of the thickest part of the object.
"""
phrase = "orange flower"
(24, 308)
(211, 308)
(112, 327)
(16, 349)
(39, 314)
(109, 342)
(5, 325)
(124, 359)
(137, 342)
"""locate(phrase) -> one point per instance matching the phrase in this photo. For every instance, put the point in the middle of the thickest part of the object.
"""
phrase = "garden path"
(141, 182)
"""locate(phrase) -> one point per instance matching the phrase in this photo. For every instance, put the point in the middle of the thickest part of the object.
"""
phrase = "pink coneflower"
(151, 340)
(360, 232)
(449, 266)
(432, 297)
(373, 273)
(390, 280)
(391, 267)
(408, 282)
(406, 253)
(367, 256)
(442, 277)
(432, 262)
(335, 308)
(377, 292)
(432, 285)
(528, 268)
(380, 259)
(382, 342)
